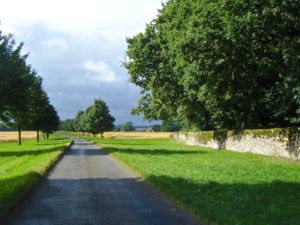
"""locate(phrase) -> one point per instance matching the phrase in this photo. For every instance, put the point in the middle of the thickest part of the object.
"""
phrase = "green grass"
(219, 187)
(22, 166)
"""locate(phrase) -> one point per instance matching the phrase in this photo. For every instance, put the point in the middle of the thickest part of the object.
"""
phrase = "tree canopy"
(94, 119)
(128, 126)
(220, 64)
(23, 102)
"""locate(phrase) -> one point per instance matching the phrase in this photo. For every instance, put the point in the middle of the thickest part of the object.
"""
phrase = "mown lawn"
(22, 166)
(219, 187)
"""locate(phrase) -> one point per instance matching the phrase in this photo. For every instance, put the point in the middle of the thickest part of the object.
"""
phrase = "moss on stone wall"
(269, 133)
(204, 137)
(290, 137)
(282, 134)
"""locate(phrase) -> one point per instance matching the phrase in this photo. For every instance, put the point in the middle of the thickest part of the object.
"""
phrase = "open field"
(21, 166)
(125, 135)
(219, 187)
(6, 136)
(137, 134)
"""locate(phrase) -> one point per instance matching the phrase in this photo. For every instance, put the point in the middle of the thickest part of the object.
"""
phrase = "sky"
(78, 47)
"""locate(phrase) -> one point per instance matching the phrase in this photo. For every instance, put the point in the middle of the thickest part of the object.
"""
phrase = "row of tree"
(23, 102)
(3, 127)
(165, 126)
(94, 119)
(126, 127)
(220, 64)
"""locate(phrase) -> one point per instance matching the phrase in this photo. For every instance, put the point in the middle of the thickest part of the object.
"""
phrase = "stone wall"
(275, 142)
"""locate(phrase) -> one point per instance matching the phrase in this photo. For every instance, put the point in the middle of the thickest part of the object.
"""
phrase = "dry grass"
(6, 136)
(137, 134)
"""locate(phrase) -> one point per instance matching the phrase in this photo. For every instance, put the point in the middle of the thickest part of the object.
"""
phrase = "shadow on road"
(88, 152)
(95, 201)
(114, 201)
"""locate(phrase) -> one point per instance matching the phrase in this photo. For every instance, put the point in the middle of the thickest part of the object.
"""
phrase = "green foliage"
(219, 187)
(128, 126)
(68, 125)
(170, 126)
(220, 64)
(156, 127)
(5, 128)
(49, 120)
(94, 120)
(98, 118)
(23, 102)
(80, 122)
(205, 136)
(22, 166)
(118, 128)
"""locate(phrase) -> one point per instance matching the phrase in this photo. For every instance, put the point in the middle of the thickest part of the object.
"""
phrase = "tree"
(22, 99)
(50, 120)
(80, 122)
(5, 128)
(156, 128)
(98, 118)
(219, 64)
(128, 126)
(39, 107)
(170, 126)
(67, 125)
(118, 128)
(17, 79)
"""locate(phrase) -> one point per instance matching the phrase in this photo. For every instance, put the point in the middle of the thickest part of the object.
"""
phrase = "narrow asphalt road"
(87, 187)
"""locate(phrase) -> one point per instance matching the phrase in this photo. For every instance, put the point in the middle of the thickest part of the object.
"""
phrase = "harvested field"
(7, 136)
(137, 134)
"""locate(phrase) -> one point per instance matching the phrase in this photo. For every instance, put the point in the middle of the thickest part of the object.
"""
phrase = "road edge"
(36, 183)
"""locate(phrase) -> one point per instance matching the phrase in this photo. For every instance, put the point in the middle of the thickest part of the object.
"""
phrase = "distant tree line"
(166, 126)
(3, 127)
(219, 64)
(24, 105)
(126, 127)
(94, 119)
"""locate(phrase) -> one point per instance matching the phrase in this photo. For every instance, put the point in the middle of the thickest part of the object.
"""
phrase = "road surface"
(87, 187)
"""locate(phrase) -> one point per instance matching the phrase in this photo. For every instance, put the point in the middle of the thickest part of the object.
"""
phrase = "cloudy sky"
(78, 46)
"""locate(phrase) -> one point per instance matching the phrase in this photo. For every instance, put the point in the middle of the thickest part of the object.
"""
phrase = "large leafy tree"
(80, 122)
(128, 126)
(17, 78)
(220, 64)
(39, 103)
(49, 120)
(22, 99)
(98, 118)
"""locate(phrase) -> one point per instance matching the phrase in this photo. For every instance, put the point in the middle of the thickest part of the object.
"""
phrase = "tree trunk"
(44, 135)
(19, 136)
(47, 135)
(37, 135)
(101, 134)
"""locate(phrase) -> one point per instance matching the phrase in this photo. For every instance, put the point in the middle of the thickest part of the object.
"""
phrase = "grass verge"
(22, 166)
(219, 187)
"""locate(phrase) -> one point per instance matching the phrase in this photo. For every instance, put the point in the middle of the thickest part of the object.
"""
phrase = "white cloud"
(57, 43)
(99, 71)
(61, 34)
(78, 16)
